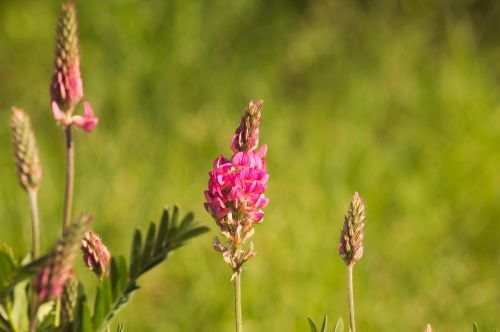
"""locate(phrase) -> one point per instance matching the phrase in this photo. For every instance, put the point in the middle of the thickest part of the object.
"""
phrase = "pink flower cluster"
(237, 186)
(50, 285)
(67, 87)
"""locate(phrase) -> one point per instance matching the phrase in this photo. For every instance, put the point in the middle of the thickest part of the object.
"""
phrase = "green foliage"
(146, 253)
(16, 290)
(339, 327)
(8, 267)
(114, 291)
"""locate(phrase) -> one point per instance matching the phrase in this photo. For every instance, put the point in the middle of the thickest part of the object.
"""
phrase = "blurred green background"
(398, 100)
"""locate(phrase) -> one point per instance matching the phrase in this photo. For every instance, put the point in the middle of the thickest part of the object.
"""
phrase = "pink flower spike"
(58, 114)
(88, 121)
(66, 88)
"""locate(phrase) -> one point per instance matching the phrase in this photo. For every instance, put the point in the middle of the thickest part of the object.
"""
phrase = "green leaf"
(340, 326)
(82, 321)
(8, 266)
(135, 255)
(192, 233)
(19, 312)
(324, 324)
(175, 218)
(149, 244)
(12, 273)
(162, 232)
(312, 326)
(186, 222)
(474, 327)
(118, 275)
(103, 302)
(172, 232)
(5, 325)
(46, 316)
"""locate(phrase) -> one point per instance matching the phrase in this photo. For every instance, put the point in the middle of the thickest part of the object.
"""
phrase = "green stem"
(35, 223)
(237, 301)
(351, 297)
(70, 177)
(35, 226)
(33, 318)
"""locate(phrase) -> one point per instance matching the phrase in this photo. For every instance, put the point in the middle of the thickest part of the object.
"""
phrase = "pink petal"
(258, 216)
(88, 121)
(58, 114)
(262, 151)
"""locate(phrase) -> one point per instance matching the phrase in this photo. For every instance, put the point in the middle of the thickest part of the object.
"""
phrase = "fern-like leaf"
(145, 254)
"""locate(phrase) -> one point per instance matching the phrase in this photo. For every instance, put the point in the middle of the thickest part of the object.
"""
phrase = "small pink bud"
(95, 254)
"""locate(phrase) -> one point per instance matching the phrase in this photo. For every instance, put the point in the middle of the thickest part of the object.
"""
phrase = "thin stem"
(237, 301)
(33, 314)
(33, 324)
(70, 177)
(351, 297)
(35, 225)
(35, 222)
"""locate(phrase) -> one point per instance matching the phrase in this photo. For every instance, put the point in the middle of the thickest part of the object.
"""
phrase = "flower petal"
(88, 121)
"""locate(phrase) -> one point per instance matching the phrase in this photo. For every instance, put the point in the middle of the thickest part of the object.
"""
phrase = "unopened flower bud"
(52, 276)
(249, 253)
(26, 157)
(67, 87)
(218, 246)
(95, 254)
(68, 300)
(246, 137)
(351, 237)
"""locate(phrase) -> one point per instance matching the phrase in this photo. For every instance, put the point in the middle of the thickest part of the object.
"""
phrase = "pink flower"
(67, 86)
(49, 285)
(50, 279)
(237, 186)
(66, 89)
(235, 196)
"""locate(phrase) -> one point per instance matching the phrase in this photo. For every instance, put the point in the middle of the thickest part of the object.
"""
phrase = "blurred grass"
(399, 101)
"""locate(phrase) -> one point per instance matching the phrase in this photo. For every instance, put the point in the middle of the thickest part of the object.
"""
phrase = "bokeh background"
(398, 100)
